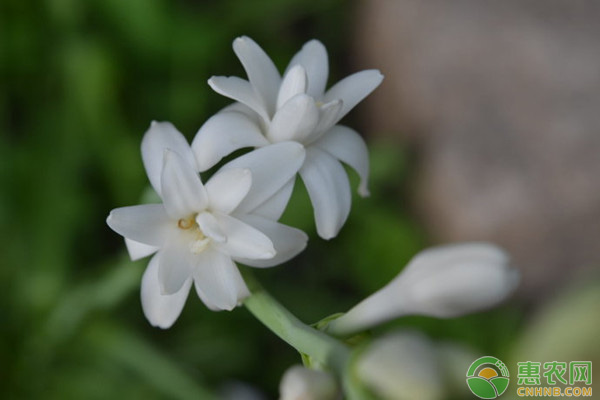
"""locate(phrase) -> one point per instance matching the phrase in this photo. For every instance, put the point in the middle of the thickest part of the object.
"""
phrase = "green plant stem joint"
(318, 350)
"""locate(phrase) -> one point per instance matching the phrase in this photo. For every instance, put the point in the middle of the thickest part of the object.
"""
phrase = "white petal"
(296, 120)
(287, 241)
(352, 89)
(224, 133)
(182, 190)
(262, 73)
(139, 250)
(243, 240)
(159, 137)
(274, 207)
(210, 227)
(313, 57)
(161, 310)
(218, 281)
(244, 109)
(294, 82)
(240, 90)
(272, 167)
(328, 116)
(329, 191)
(227, 188)
(146, 223)
(346, 145)
(175, 262)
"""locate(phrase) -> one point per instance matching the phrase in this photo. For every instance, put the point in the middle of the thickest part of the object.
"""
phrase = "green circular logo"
(487, 377)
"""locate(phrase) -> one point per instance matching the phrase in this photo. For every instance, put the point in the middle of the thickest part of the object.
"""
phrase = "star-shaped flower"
(273, 109)
(201, 229)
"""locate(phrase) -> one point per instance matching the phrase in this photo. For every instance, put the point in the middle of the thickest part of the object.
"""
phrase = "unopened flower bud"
(401, 366)
(299, 383)
(444, 282)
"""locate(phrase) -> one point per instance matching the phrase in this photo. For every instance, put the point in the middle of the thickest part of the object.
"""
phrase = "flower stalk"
(304, 338)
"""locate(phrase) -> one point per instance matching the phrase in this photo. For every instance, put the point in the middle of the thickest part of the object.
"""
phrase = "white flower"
(401, 366)
(297, 108)
(443, 282)
(299, 383)
(200, 230)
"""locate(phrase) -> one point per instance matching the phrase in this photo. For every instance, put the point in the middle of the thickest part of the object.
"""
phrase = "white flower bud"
(299, 383)
(401, 366)
(444, 282)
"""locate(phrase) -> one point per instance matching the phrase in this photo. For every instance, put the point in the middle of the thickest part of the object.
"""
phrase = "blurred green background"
(80, 83)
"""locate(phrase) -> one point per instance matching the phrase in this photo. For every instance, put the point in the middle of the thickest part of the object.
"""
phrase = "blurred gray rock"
(501, 100)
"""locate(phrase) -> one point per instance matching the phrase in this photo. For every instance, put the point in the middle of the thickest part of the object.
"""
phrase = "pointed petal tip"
(241, 39)
(376, 75)
(327, 234)
(313, 42)
(161, 325)
(211, 80)
(375, 71)
(154, 124)
(363, 191)
(109, 219)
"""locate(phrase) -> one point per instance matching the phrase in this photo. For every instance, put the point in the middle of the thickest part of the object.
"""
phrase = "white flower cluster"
(200, 230)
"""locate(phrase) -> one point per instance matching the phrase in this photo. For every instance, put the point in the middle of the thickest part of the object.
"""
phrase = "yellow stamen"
(186, 223)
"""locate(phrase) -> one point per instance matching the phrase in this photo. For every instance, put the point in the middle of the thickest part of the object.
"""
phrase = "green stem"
(307, 340)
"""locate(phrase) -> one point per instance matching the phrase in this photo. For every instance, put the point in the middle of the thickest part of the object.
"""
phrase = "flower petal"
(287, 241)
(274, 207)
(218, 281)
(182, 190)
(161, 310)
(313, 57)
(328, 116)
(243, 240)
(352, 89)
(296, 120)
(262, 73)
(139, 250)
(226, 189)
(224, 133)
(244, 109)
(328, 189)
(272, 167)
(175, 260)
(147, 223)
(346, 145)
(210, 227)
(161, 136)
(240, 90)
(294, 82)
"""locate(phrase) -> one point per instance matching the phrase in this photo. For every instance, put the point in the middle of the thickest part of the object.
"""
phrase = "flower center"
(187, 223)
(198, 240)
